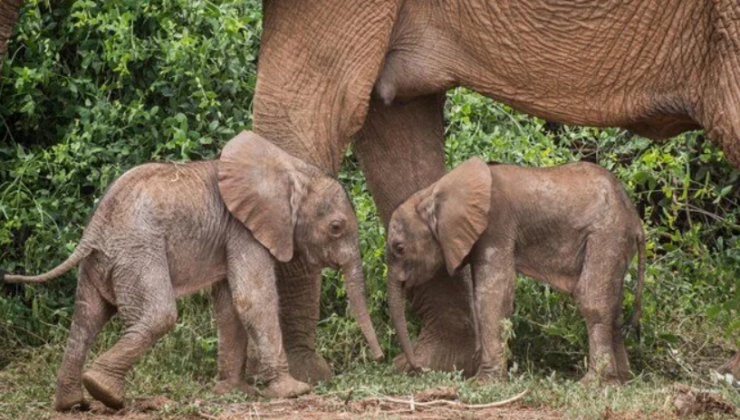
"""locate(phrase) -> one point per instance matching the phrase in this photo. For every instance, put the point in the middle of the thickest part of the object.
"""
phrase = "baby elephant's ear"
(456, 209)
(262, 186)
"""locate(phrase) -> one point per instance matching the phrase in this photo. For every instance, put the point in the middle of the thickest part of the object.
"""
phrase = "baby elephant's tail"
(80, 253)
(634, 322)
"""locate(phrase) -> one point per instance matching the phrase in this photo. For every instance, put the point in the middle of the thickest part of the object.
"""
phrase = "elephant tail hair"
(78, 255)
(634, 322)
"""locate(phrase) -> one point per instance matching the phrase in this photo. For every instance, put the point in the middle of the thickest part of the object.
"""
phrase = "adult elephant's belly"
(567, 62)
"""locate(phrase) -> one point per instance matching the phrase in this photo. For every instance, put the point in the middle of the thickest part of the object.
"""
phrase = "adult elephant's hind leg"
(721, 121)
(401, 150)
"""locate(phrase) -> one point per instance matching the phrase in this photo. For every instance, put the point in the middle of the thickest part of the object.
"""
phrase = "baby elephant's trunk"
(398, 316)
(357, 299)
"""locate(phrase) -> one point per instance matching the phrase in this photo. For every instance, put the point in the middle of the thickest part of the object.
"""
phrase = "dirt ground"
(326, 407)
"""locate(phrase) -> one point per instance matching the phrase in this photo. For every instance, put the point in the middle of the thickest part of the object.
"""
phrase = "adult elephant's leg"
(721, 113)
(401, 150)
(299, 289)
(317, 66)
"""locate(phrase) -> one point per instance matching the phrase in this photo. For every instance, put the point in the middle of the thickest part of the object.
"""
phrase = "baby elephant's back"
(611, 206)
(584, 195)
(601, 209)
(171, 201)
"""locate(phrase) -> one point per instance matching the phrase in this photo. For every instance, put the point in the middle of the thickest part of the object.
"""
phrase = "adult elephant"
(658, 68)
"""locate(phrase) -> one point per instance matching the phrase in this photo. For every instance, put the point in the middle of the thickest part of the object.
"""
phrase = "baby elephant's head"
(436, 226)
(294, 209)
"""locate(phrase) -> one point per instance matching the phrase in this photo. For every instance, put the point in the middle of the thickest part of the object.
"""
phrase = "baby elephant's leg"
(253, 287)
(620, 352)
(494, 279)
(146, 302)
(599, 294)
(90, 315)
(232, 343)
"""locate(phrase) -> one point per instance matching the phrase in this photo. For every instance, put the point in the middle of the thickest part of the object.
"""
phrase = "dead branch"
(457, 404)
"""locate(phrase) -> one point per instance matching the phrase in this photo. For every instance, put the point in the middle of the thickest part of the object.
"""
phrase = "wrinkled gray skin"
(657, 67)
(571, 226)
(168, 230)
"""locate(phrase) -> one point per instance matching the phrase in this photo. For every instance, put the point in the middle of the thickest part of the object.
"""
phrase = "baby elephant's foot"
(225, 386)
(67, 400)
(286, 387)
(105, 388)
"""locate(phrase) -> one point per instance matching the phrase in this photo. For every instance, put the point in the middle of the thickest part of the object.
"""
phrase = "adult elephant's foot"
(442, 356)
(299, 287)
(286, 387)
(309, 366)
(600, 378)
(304, 365)
(489, 375)
(68, 398)
(447, 340)
(732, 367)
(104, 387)
(242, 385)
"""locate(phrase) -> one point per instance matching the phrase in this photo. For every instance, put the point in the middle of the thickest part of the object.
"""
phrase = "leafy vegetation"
(91, 89)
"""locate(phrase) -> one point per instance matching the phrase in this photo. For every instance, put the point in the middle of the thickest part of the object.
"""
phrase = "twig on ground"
(206, 416)
(349, 396)
(456, 404)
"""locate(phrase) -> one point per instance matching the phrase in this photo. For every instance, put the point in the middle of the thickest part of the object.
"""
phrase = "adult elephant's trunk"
(356, 294)
(398, 316)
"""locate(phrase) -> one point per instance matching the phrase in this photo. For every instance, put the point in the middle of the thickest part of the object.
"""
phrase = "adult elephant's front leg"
(299, 289)
(401, 150)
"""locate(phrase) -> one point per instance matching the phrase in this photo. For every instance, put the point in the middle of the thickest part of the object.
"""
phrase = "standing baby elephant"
(571, 226)
(167, 230)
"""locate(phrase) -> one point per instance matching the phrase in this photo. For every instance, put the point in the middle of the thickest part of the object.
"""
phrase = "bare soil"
(326, 407)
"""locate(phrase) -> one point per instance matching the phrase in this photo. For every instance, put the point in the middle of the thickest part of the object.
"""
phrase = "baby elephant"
(167, 230)
(571, 226)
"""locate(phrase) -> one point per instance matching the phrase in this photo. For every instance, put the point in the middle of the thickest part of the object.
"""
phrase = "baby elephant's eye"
(336, 228)
(398, 248)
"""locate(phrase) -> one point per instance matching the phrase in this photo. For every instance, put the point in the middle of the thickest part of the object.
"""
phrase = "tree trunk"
(9, 10)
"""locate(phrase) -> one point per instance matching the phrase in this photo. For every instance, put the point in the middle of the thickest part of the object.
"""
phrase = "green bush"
(91, 89)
